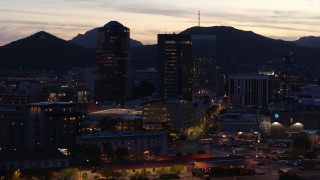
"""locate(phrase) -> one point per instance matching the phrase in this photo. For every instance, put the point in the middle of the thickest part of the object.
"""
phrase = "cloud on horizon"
(66, 19)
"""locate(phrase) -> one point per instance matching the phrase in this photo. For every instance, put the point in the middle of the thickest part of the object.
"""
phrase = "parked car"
(260, 172)
(260, 164)
(283, 162)
(284, 170)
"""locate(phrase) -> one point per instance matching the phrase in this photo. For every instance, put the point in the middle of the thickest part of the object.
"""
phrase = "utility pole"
(199, 18)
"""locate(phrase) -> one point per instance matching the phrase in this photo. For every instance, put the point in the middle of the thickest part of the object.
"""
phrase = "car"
(283, 162)
(260, 172)
(260, 164)
(284, 170)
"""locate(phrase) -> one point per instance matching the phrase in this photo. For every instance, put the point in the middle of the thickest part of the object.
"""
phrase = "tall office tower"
(113, 63)
(175, 66)
(204, 66)
(248, 91)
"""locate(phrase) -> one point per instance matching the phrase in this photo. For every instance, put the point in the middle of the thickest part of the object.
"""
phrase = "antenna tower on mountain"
(199, 18)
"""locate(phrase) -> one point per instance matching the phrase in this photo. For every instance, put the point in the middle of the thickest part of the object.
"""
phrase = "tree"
(93, 153)
(121, 154)
(16, 175)
(183, 137)
(310, 164)
(310, 154)
(289, 176)
(212, 128)
(162, 170)
(105, 172)
(267, 150)
(37, 173)
(302, 142)
(176, 169)
(108, 150)
(296, 152)
(124, 173)
(68, 172)
(144, 173)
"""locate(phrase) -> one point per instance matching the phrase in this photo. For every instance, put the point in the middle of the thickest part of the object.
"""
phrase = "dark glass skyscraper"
(204, 69)
(112, 62)
(175, 65)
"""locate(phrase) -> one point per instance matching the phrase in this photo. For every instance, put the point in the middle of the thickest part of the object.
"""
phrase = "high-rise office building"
(113, 63)
(175, 65)
(248, 91)
(204, 66)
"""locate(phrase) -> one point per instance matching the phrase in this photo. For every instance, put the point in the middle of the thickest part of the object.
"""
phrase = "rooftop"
(51, 103)
(114, 24)
(25, 156)
(116, 111)
(112, 133)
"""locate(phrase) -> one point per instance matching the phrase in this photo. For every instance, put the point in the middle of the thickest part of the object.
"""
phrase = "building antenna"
(199, 18)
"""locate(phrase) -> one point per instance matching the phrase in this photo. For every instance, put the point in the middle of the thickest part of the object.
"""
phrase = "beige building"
(172, 113)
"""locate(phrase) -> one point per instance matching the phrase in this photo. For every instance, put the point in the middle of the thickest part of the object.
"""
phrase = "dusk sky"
(279, 19)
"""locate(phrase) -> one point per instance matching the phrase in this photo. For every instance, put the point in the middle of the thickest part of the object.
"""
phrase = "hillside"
(247, 47)
(309, 41)
(43, 51)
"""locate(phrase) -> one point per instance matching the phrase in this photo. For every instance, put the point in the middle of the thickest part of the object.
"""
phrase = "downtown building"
(187, 66)
(42, 125)
(248, 91)
(137, 142)
(113, 63)
(175, 66)
(205, 83)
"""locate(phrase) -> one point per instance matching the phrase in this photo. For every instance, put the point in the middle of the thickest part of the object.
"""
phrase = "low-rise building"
(173, 113)
(135, 142)
(122, 118)
(11, 161)
(53, 125)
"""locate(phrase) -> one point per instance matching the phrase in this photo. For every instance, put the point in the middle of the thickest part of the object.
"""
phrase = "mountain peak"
(309, 41)
(89, 39)
(42, 35)
(43, 51)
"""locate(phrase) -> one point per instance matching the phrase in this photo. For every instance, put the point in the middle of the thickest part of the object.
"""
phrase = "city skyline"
(286, 20)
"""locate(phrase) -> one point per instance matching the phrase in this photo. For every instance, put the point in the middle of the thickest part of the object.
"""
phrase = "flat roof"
(112, 133)
(117, 111)
(12, 156)
(163, 161)
(223, 162)
(51, 103)
(8, 109)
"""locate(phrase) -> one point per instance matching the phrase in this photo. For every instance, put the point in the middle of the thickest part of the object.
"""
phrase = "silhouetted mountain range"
(234, 45)
(89, 40)
(309, 41)
(44, 51)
